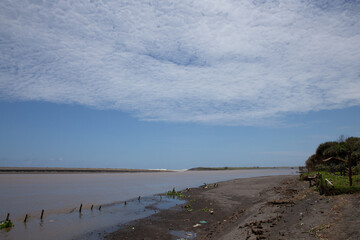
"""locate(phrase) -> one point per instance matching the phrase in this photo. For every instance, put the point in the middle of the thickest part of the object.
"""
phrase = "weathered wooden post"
(327, 184)
(125, 203)
(139, 198)
(321, 184)
(80, 208)
(100, 208)
(325, 188)
(42, 215)
(92, 206)
(25, 219)
(7, 217)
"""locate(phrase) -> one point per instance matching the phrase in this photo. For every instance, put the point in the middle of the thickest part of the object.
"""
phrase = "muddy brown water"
(60, 195)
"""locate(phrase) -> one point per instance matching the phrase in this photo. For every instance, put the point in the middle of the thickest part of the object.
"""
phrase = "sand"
(274, 207)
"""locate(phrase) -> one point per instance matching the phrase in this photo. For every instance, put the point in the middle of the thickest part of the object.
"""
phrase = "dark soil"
(276, 207)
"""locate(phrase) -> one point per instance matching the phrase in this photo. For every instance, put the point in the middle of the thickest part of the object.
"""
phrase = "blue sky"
(148, 84)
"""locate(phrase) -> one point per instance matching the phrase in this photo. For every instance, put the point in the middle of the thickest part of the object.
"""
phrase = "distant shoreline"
(4, 170)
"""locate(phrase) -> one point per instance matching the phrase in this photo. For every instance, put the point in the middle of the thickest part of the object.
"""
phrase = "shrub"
(323, 168)
(341, 184)
(356, 170)
(6, 224)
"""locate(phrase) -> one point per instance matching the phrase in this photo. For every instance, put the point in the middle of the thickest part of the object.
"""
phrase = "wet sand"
(273, 207)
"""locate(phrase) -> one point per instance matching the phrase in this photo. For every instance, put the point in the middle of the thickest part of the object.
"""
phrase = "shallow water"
(75, 225)
(61, 195)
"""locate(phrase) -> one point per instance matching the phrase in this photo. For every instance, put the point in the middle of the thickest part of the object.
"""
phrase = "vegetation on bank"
(175, 193)
(344, 149)
(6, 224)
(335, 166)
(340, 184)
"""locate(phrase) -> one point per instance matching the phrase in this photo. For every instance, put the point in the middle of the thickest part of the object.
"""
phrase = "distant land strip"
(74, 170)
(117, 170)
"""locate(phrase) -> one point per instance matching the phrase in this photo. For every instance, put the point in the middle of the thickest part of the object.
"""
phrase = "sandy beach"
(273, 207)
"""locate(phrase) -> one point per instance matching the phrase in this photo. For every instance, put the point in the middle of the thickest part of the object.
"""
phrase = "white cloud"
(221, 62)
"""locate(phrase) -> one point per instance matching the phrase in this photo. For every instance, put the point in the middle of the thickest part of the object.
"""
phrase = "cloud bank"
(217, 62)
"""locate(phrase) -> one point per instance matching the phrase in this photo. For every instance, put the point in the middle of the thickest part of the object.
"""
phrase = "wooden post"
(42, 215)
(325, 189)
(328, 183)
(139, 198)
(125, 203)
(92, 206)
(100, 208)
(350, 166)
(7, 217)
(26, 216)
(321, 184)
(80, 208)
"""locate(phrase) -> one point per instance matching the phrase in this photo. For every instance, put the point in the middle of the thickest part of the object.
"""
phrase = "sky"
(176, 84)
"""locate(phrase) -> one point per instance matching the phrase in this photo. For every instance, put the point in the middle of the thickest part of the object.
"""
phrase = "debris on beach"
(282, 201)
(183, 235)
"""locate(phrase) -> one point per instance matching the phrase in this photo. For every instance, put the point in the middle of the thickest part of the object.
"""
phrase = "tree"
(348, 150)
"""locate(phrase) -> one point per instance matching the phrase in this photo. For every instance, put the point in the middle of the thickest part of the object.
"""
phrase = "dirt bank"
(274, 207)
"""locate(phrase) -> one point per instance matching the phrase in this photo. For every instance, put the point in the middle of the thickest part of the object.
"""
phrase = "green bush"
(175, 193)
(341, 184)
(323, 168)
(6, 224)
(356, 170)
(337, 149)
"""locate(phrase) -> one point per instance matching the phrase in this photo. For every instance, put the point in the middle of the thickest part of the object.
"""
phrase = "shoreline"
(24, 170)
(54, 170)
(270, 207)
